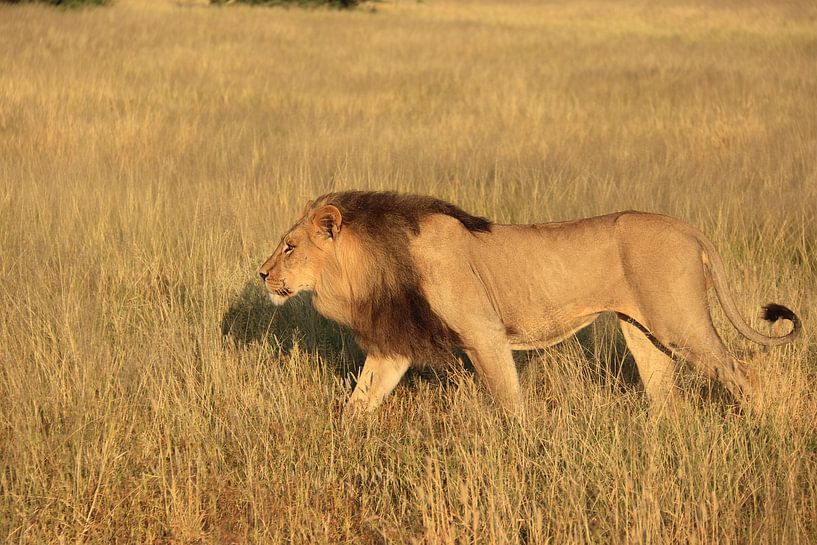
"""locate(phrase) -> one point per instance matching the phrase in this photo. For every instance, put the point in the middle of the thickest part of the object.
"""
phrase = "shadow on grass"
(610, 362)
(252, 318)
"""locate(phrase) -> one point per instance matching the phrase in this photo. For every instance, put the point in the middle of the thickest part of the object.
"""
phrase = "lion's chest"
(333, 308)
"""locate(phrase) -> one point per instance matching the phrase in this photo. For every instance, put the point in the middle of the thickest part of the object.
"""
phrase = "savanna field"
(152, 154)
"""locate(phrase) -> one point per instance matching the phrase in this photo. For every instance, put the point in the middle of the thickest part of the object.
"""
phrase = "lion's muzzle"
(278, 289)
(283, 291)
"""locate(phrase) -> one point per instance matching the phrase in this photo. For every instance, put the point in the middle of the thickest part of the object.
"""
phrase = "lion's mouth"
(279, 292)
(283, 291)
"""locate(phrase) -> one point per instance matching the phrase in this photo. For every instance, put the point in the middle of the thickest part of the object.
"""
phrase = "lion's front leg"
(379, 376)
(494, 363)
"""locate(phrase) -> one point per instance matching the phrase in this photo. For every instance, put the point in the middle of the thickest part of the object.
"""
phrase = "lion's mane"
(377, 278)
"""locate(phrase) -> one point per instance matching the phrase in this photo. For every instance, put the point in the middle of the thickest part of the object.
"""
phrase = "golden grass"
(151, 154)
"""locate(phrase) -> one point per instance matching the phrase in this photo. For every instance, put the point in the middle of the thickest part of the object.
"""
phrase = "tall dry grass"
(152, 153)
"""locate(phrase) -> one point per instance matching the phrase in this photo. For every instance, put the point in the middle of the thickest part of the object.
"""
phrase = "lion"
(413, 276)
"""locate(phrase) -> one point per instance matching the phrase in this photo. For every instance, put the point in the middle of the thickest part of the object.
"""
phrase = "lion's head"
(297, 263)
(351, 250)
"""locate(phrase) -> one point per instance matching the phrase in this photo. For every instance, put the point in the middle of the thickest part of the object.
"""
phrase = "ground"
(152, 153)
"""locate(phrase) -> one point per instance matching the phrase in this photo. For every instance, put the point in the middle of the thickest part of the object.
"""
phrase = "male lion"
(413, 275)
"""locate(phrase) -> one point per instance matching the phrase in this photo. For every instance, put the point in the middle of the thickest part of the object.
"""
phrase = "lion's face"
(297, 262)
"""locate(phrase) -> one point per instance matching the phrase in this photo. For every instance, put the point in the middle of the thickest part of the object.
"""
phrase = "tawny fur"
(413, 275)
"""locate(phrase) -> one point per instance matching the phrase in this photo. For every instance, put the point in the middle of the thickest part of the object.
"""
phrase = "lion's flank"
(391, 315)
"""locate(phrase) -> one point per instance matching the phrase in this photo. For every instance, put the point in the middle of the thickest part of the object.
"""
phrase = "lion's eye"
(288, 249)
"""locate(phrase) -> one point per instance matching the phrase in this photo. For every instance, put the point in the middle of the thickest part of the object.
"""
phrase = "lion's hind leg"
(671, 305)
(655, 367)
(712, 357)
(691, 335)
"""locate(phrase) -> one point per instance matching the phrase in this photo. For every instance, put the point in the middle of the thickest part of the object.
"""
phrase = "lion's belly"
(546, 334)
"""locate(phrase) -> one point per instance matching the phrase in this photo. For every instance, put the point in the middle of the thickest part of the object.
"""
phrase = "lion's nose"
(263, 275)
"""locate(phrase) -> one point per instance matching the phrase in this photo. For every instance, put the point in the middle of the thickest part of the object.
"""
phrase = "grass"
(151, 154)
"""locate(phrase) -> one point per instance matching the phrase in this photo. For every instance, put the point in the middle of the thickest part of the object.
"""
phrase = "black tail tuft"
(773, 312)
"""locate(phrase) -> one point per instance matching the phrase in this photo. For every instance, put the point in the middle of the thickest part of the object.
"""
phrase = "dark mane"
(373, 210)
(394, 316)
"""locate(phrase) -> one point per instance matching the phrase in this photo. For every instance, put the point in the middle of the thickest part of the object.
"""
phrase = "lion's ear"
(326, 220)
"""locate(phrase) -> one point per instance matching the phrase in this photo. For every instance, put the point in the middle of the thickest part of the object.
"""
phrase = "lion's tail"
(771, 312)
